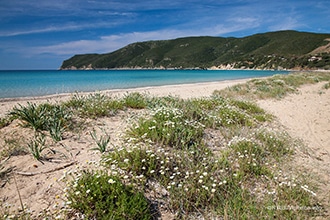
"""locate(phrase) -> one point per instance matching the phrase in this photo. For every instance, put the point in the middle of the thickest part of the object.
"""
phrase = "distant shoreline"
(26, 84)
(163, 89)
(190, 90)
(160, 90)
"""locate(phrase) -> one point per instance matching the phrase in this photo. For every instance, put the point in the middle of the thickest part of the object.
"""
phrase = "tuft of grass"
(58, 120)
(37, 146)
(31, 115)
(101, 196)
(278, 145)
(102, 142)
(94, 105)
(44, 117)
(135, 100)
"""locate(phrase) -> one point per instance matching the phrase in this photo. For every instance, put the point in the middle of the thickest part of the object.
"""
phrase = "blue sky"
(36, 34)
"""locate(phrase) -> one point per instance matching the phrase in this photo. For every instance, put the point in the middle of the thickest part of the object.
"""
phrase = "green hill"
(273, 50)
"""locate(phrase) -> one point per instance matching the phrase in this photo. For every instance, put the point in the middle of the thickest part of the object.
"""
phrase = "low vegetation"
(276, 87)
(217, 157)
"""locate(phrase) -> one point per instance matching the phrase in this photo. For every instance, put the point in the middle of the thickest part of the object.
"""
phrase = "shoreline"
(153, 89)
(185, 91)
(55, 90)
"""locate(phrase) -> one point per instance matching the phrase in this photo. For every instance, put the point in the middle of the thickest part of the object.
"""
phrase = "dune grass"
(277, 86)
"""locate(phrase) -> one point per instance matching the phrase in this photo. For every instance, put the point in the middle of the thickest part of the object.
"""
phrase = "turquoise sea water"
(48, 82)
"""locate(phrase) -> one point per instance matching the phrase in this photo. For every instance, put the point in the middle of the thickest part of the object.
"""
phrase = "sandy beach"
(195, 90)
(305, 115)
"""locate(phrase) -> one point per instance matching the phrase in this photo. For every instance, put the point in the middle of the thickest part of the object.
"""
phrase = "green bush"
(169, 126)
(101, 196)
(135, 100)
(94, 105)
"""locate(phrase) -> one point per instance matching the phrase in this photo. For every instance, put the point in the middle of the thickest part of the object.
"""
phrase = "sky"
(40, 34)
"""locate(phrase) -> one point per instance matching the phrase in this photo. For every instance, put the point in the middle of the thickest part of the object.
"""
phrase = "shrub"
(101, 196)
(94, 105)
(169, 126)
(135, 100)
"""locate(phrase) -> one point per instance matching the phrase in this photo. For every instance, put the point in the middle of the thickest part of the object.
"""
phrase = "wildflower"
(125, 177)
(205, 173)
(200, 180)
(111, 181)
(88, 191)
(126, 160)
(213, 190)
(152, 171)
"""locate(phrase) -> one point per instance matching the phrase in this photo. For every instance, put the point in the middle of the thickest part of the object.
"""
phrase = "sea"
(28, 83)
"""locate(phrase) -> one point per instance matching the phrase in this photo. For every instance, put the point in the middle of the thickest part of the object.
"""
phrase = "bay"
(27, 83)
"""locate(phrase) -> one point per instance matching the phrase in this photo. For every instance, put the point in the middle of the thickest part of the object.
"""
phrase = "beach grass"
(171, 160)
(277, 86)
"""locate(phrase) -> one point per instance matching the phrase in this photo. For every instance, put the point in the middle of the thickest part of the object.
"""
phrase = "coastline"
(191, 90)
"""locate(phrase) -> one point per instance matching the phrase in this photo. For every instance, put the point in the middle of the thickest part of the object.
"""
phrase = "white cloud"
(110, 43)
(286, 23)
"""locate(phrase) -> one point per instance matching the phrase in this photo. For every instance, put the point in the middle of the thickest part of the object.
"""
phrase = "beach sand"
(305, 115)
(195, 90)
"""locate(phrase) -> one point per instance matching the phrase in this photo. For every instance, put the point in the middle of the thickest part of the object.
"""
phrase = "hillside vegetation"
(273, 50)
